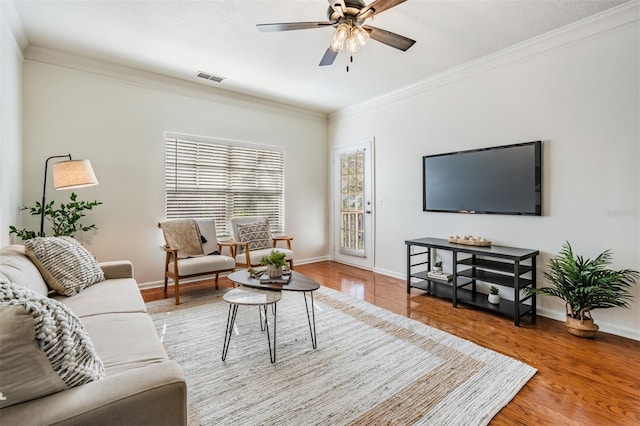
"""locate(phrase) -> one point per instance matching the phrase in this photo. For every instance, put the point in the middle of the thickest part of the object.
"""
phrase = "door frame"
(368, 261)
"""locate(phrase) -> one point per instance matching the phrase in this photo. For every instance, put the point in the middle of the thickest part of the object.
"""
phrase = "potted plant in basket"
(274, 263)
(494, 295)
(584, 285)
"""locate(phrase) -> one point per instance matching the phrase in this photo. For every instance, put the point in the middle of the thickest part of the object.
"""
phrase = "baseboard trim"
(605, 326)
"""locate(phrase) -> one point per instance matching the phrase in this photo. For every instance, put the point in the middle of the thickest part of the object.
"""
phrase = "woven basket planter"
(581, 328)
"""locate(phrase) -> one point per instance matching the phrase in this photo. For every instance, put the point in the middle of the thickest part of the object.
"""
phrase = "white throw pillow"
(65, 265)
(44, 347)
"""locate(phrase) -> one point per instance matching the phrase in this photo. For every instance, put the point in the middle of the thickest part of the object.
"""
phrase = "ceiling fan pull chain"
(351, 61)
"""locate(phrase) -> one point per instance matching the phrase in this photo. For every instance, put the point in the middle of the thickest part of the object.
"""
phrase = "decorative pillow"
(65, 265)
(43, 347)
(257, 234)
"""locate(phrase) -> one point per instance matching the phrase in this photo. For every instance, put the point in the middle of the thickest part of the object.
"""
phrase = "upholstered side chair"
(191, 250)
(253, 239)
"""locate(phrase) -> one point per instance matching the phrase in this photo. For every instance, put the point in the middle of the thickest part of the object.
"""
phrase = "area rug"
(370, 367)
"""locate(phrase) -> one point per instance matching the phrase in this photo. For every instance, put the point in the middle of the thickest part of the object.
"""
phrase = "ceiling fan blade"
(379, 6)
(328, 58)
(289, 26)
(390, 39)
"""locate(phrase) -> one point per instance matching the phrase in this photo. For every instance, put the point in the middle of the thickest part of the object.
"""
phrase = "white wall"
(10, 123)
(577, 90)
(117, 121)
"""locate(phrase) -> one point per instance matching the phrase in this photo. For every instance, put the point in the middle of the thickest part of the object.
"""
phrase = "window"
(207, 178)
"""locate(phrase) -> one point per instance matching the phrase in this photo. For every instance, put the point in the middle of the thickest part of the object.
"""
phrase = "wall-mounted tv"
(497, 180)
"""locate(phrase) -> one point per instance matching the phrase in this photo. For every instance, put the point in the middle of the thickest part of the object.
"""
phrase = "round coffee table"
(298, 282)
(251, 297)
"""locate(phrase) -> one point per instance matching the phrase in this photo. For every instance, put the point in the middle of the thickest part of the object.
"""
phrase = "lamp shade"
(73, 174)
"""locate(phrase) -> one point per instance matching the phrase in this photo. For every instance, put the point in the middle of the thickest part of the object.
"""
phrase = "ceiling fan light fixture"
(338, 38)
(352, 45)
(360, 35)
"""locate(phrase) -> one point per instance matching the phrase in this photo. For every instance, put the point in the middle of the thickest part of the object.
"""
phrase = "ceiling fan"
(348, 18)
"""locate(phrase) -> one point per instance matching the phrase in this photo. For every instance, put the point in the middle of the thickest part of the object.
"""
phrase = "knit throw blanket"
(182, 235)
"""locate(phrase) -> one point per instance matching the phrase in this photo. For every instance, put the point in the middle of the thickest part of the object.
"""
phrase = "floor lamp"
(67, 174)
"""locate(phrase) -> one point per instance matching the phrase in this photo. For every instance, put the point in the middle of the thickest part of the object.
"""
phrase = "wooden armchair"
(192, 250)
(253, 240)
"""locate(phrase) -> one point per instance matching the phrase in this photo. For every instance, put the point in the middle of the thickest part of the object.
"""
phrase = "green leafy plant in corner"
(587, 284)
(494, 290)
(64, 220)
(275, 258)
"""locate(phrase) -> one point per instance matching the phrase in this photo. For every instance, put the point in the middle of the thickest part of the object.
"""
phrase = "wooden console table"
(495, 264)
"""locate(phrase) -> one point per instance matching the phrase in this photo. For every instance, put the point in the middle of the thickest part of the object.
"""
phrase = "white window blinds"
(221, 180)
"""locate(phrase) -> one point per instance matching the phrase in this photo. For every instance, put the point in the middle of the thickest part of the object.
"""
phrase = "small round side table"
(251, 297)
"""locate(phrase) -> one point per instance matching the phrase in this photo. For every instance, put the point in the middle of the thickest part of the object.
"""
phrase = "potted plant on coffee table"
(584, 285)
(274, 263)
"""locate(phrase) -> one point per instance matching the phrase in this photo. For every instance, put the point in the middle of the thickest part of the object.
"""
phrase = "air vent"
(208, 76)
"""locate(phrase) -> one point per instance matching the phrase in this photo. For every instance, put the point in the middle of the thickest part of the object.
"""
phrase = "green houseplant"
(274, 262)
(64, 220)
(584, 285)
(494, 295)
(438, 265)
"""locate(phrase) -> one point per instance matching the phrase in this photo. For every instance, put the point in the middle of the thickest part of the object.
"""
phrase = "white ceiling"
(179, 38)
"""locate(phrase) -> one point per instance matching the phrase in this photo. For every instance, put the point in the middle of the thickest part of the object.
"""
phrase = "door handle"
(367, 211)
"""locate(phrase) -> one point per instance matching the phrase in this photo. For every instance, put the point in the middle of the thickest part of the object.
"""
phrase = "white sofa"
(142, 385)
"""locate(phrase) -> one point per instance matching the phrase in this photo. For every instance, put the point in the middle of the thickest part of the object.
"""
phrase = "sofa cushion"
(65, 265)
(25, 369)
(110, 296)
(125, 341)
(41, 337)
(17, 268)
(257, 234)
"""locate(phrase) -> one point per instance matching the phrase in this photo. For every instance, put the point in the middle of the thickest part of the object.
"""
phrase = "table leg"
(231, 319)
(272, 354)
(311, 318)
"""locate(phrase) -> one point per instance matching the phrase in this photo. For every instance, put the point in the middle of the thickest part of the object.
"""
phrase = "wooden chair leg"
(216, 281)
(166, 282)
(176, 286)
(290, 263)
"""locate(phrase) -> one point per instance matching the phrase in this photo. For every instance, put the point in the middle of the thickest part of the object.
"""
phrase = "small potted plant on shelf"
(586, 284)
(437, 267)
(274, 263)
(494, 295)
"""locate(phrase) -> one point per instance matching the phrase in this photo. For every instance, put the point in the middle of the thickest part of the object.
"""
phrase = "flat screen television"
(497, 180)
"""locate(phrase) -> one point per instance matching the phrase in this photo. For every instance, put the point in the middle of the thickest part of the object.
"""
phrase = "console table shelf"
(481, 265)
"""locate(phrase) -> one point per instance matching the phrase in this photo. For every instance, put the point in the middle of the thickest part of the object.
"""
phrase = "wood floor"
(579, 381)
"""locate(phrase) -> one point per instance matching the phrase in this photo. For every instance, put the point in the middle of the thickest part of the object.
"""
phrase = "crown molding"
(613, 19)
(174, 85)
(10, 17)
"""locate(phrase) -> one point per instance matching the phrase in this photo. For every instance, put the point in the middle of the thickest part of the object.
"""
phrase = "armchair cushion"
(203, 264)
(65, 265)
(208, 236)
(256, 255)
(257, 234)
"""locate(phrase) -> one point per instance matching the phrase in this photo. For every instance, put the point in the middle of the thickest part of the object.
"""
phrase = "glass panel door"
(352, 239)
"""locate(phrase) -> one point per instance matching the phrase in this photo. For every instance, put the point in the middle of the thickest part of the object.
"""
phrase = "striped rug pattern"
(371, 366)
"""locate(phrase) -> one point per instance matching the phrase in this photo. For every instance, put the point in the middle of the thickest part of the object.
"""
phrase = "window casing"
(207, 178)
